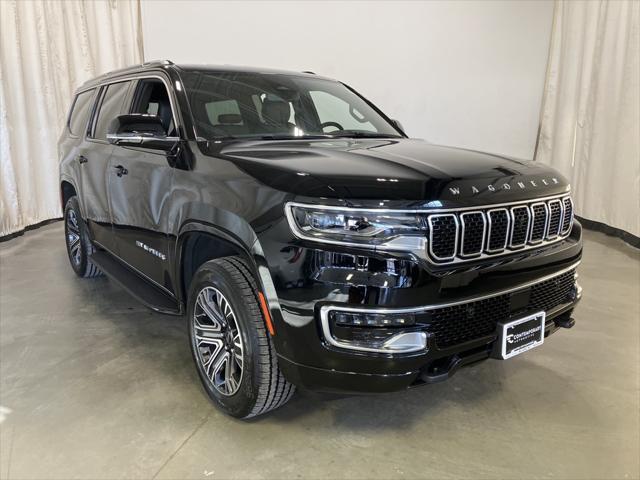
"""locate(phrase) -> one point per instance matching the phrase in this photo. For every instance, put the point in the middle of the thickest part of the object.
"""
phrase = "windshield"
(228, 105)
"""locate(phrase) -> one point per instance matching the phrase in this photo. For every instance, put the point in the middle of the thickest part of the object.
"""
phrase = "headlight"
(375, 229)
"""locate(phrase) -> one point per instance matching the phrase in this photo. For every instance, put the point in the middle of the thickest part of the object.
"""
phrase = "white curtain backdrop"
(47, 49)
(590, 126)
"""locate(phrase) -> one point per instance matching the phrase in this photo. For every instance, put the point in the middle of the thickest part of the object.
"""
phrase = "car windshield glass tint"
(276, 106)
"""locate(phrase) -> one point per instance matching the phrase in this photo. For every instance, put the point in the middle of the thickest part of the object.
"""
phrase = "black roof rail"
(309, 72)
(126, 70)
(157, 62)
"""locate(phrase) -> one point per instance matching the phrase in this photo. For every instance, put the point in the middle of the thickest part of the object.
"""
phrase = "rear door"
(139, 198)
(93, 156)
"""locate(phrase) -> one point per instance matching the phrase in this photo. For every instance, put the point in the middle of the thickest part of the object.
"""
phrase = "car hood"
(392, 170)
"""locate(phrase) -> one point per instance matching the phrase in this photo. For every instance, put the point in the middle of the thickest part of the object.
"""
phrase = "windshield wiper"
(361, 134)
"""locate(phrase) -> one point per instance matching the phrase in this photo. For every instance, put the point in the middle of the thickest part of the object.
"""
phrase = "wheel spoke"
(73, 240)
(229, 380)
(210, 338)
(203, 326)
(219, 371)
(210, 310)
(214, 357)
(218, 340)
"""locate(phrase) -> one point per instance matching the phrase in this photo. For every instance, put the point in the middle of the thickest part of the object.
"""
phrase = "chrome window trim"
(533, 221)
(326, 309)
(513, 221)
(551, 236)
(484, 233)
(175, 113)
(506, 236)
(457, 237)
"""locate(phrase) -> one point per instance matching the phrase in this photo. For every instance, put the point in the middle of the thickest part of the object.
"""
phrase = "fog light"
(373, 332)
(359, 319)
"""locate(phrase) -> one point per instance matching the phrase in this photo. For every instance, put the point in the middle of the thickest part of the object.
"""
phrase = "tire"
(79, 246)
(249, 381)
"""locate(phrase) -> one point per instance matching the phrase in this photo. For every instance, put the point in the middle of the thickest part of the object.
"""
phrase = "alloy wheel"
(73, 237)
(218, 340)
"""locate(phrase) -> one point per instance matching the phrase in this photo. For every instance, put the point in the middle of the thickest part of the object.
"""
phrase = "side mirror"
(397, 124)
(138, 130)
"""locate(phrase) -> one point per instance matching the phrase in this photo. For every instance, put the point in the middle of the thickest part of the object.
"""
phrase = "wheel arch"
(198, 243)
(67, 190)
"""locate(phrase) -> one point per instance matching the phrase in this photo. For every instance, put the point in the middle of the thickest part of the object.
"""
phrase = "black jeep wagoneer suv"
(307, 240)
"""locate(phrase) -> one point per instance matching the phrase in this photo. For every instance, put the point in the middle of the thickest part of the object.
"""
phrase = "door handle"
(82, 159)
(121, 170)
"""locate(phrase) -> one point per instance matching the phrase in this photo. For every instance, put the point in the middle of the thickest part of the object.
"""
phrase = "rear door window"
(80, 112)
(110, 108)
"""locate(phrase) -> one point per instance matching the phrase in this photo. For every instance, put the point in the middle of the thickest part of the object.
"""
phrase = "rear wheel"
(233, 352)
(79, 246)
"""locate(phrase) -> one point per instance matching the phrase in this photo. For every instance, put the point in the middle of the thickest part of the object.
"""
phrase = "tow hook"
(567, 322)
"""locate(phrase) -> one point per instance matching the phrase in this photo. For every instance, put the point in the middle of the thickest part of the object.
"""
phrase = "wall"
(461, 73)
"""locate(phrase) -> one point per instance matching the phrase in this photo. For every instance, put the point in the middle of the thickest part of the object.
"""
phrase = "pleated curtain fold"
(47, 50)
(590, 127)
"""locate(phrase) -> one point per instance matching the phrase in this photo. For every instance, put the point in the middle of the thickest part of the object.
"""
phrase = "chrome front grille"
(488, 232)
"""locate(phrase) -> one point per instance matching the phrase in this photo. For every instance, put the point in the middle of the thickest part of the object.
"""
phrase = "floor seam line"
(189, 437)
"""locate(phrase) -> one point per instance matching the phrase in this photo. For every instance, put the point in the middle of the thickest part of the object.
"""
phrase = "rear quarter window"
(79, 114)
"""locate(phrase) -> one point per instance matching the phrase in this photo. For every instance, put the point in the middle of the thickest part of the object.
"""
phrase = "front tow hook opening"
(566, 322)
(444, 368)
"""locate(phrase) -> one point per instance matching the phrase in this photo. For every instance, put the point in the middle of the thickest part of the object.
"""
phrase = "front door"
(93, 156)
(140, 186)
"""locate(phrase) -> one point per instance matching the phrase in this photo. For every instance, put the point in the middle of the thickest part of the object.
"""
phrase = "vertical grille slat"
(499, 222)
(443, 236)
(520, 222)
(485, 232)
(538, 222)
(473, 233)
(567, 219)
(555, 218)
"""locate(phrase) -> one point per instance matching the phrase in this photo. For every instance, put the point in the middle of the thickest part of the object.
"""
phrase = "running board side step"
(137, 286)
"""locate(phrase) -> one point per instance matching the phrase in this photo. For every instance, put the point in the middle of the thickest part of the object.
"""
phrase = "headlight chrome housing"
(380, 229)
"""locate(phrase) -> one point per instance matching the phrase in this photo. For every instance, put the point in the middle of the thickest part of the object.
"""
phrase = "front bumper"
(308, 281)
(435, 366)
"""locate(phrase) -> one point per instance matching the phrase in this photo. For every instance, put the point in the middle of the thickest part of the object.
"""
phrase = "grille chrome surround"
(507, 218)
(516, 227)
(553, 229)
(567, 216)
(468, 231)
(534, 236)
(431, 221)
(529, 225)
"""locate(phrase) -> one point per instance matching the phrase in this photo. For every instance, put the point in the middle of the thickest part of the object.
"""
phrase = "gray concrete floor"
(93, 385)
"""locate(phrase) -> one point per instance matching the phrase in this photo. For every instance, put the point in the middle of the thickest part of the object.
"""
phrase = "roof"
(163, 64)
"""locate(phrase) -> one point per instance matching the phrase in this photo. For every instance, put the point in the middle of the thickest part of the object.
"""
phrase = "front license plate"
(521, 335)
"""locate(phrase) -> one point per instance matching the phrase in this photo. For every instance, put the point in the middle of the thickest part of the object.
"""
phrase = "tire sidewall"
(241, 403)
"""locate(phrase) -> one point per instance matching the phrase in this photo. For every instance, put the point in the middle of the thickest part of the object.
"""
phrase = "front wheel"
(233, 352)
(79, 247)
